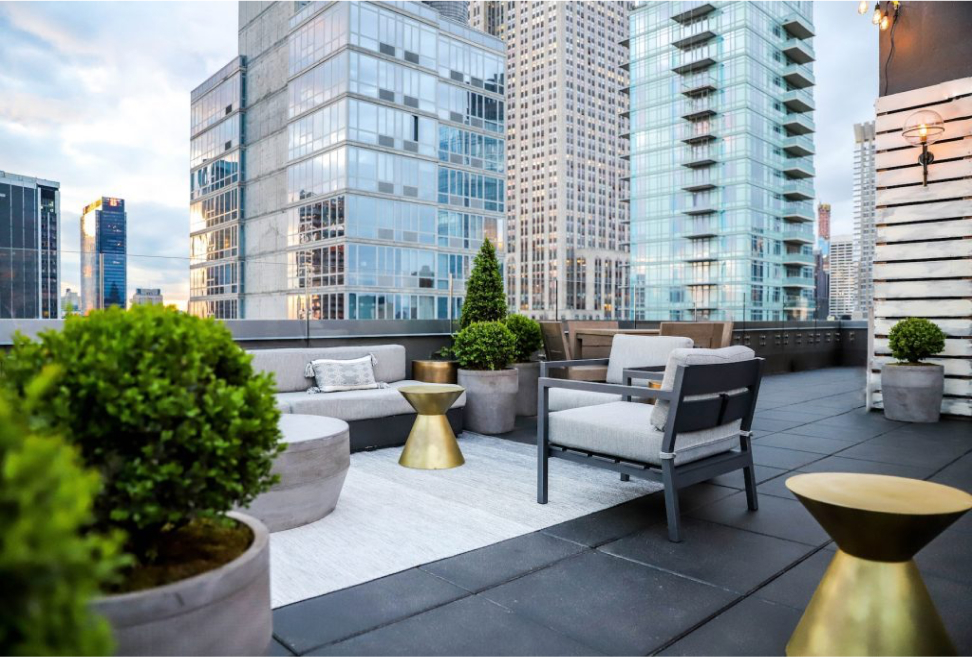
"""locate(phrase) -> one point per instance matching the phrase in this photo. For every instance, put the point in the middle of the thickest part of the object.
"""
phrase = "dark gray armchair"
(698, 427)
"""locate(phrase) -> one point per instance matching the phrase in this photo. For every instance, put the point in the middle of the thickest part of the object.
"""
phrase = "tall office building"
(30, 257)
(843, 277)
(104, 254)
(823, 221)
(453, 10)
(721, 160)
(821, 263)
(146, 296)
(865, 188)
(347, 165)
(566, 253)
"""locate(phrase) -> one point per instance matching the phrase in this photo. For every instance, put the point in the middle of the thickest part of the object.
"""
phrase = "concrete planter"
(527, 374)
(912, 393)
(222, 612)
(490, 400)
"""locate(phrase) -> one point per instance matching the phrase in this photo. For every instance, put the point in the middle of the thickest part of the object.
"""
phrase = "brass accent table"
(872, 600)
(431, 444)
(435, 371)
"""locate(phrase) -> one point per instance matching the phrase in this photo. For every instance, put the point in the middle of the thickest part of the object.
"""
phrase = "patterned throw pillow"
(338, 375)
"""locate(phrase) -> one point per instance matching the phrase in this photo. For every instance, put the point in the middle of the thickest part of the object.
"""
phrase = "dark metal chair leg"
(749, 473)
(625, 477)
(542, 447)
(671, 502)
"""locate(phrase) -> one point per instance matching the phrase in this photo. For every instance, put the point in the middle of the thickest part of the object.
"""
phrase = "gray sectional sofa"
(377, 418)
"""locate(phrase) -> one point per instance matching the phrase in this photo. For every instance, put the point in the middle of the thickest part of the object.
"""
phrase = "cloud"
(96, 96)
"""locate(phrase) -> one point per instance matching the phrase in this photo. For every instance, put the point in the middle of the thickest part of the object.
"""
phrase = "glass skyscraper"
(721, 160)
(104, 254)
(347, 165)
(30, 258)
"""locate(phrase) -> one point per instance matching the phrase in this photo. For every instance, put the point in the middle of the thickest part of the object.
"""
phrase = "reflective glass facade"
(29, 248)
(722, 160)
(104, 254)
(370, 169)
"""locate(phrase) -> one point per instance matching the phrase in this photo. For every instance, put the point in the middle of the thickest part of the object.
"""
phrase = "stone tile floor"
(611, 582)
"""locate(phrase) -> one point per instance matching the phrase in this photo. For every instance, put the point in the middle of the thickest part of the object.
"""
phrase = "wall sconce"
(924, 128)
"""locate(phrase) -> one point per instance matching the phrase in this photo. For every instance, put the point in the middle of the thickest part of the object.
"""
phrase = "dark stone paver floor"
(611, 582)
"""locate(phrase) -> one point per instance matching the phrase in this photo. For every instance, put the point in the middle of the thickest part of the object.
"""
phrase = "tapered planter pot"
(490, 400)
(225, 611)
(912, 393)
(527, 375)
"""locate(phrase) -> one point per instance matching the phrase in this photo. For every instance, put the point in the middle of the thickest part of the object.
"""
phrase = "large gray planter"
(527, 375)
(222, 612)
(490, 400)
(912, 393)
(312, 471)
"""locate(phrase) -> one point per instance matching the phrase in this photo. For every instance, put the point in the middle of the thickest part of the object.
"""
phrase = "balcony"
(798, 124)
(798, 236)
(799, 76)
(692, 34)
(706, 207)
(798, 281)
(798, 100)
(700, 227)
(700, 107)
(694, 60)
(799, 145)
(798, 211)
(697, 132)
(798, 189)
(798, 258)
(697, 85)
(686, 11)
(798, 50)
(797, 26)
(799, 167)
(700, 257)
(698, 180)
(698, 157)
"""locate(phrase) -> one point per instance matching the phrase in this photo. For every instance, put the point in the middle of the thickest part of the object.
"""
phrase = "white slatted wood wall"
(923, 257)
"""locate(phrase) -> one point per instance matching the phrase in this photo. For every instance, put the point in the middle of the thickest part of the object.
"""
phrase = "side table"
(431, 444)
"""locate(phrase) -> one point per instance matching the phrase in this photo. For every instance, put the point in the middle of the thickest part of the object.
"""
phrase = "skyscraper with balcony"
(347, 165)
(722, 160)
(454, 10)
(865, 188)
(30, 256)
(566, 254)
(104, 254)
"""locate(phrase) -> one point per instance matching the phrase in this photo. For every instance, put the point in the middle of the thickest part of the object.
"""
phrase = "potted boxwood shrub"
(527, 340)
(484, 350)
(912, 390)
(51, 564)
(167, 408)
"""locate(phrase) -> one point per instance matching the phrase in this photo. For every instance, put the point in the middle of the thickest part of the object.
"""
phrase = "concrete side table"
(872, 600)
(312, 471)
(431, 444)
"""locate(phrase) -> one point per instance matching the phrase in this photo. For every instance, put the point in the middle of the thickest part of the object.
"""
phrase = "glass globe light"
(862, 7)
(923, 127)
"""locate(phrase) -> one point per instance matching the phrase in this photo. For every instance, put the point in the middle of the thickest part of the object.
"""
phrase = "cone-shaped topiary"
(915, 338)
(485, 299)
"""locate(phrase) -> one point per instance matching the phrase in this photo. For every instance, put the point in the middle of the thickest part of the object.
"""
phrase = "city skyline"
(52, 117)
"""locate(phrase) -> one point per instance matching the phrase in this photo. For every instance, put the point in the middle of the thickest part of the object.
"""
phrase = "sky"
(95, 95)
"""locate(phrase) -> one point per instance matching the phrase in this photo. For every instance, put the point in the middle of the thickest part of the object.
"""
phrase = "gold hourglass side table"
(431, 443)
(872, 599)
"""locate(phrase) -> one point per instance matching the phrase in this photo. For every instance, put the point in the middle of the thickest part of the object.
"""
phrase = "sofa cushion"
(687, 358)
(641, 351)
(354, 405)
(563, 398)
(623, 429)
(289, 364)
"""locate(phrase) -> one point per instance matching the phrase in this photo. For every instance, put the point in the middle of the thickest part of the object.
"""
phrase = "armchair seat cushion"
(624, 430)
(352, 405)
(563, 398)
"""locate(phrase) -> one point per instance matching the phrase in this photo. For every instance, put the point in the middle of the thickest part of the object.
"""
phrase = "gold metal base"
(431, 443)
(864, 607)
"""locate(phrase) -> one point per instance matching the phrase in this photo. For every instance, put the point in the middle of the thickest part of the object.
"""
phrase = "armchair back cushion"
(289, 364)
(641, 351)
(687, 358)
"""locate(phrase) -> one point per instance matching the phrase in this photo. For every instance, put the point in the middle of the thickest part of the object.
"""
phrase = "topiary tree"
(485, 299)
(527, 335)
(484, 346)
(914, 339)
(50, 564)
(165, 406)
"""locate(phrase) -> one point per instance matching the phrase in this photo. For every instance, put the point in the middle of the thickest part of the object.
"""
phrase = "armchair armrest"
(610, 388)
(652, 373)
(545, 365)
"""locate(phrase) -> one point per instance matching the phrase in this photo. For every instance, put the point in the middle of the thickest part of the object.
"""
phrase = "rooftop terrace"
(610, 582)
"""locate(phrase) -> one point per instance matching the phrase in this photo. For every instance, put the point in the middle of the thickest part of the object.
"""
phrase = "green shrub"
(485, 299)
(527, 335)
(915, 338)
(50, 565)
(165, 406)
(484, 346)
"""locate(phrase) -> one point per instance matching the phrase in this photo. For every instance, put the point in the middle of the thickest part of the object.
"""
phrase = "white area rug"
(391, 518)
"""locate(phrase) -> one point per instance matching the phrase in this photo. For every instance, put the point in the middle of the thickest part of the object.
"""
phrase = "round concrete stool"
(312, 471)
